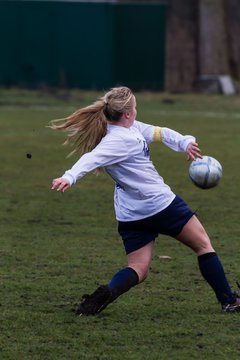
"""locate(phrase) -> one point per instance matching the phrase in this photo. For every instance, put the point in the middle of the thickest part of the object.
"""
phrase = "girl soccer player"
(108, 136)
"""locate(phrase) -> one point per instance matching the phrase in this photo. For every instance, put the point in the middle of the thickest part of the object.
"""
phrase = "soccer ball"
(205, 173)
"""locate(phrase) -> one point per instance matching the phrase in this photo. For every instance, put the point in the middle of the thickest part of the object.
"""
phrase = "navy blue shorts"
(170, 221)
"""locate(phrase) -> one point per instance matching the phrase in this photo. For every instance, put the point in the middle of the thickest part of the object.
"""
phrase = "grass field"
(55, 247)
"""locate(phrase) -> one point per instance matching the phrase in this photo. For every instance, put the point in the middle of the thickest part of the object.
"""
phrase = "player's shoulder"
(142, 125)
(138, 124)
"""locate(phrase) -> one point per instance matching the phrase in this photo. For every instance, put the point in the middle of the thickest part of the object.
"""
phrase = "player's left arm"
(181, 143)
(176, 141)
(170, 138)
(193, 151)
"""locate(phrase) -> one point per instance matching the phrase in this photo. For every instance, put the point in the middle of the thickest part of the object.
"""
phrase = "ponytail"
(86, 127)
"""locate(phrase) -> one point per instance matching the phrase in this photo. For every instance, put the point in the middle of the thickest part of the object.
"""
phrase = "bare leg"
(140, 260)
(194, 235)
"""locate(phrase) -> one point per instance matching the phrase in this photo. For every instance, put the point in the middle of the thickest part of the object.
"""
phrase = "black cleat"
(235, 307)
(96, 302)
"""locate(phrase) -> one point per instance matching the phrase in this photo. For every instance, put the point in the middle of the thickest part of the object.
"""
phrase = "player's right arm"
(107, 152)
(60, 184)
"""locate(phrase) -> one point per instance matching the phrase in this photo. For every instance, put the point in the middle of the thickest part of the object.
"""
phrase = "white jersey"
(140, 191)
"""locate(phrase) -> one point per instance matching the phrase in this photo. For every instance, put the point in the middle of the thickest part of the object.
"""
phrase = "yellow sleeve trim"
(157, 135)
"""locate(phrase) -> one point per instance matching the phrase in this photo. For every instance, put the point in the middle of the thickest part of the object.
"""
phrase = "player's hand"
(60, 184)
(193, 152)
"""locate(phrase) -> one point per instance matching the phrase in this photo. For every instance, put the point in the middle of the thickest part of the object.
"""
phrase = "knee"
(204, 247)
(194, 235)
(202, 244)
(140, 260)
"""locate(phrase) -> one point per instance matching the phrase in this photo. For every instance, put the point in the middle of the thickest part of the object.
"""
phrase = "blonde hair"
(87, 126)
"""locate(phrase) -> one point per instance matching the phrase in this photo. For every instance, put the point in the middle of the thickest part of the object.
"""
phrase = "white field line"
(206, 114)
(38, 107)
(175, 113)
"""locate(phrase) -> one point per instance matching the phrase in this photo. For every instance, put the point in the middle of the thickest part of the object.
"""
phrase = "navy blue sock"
(123, 280)
(213, 272)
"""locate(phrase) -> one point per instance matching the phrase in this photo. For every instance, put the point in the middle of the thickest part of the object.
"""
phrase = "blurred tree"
(213, 45)
(181, 45)
(233, 27)
(203, 38)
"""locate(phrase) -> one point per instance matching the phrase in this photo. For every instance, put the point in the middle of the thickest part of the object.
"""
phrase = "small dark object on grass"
(28, 155)
(168, 101)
